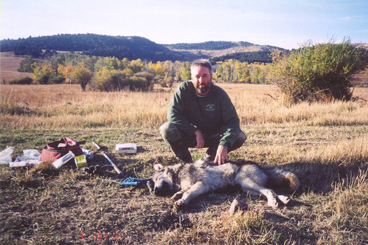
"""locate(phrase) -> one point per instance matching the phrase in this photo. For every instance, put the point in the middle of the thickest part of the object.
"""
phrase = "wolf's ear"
(158, 167)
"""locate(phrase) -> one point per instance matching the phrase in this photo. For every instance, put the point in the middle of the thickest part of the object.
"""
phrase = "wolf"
(188, 181)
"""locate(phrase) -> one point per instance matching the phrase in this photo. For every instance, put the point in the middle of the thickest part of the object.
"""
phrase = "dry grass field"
(9, 64)
(325, 145)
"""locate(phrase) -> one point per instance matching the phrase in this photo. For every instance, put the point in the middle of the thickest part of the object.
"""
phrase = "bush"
(27, 65)
(137, 83)
(318, 73)
(82, 76)
(57, 80)
(21, 80)
(43, 79)
(166, 82)
(107, 80)
(113, 80)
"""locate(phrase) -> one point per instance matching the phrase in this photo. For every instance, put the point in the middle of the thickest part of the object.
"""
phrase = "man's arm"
(230, 122)
(230, 129)
(175, 114)
(199, 138)
(221, 155)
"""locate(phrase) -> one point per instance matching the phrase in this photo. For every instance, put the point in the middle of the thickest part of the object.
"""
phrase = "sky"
(284, 23)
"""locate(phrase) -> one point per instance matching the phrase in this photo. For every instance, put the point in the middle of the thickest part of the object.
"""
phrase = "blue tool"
(130, 181)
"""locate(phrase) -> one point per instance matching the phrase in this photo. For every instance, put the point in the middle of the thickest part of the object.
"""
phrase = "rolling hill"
(133, 47)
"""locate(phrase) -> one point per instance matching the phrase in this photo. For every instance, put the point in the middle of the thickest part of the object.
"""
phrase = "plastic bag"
(30, 158)
(5, 155)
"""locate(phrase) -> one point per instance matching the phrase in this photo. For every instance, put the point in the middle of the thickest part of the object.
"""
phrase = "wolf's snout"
(162, 189)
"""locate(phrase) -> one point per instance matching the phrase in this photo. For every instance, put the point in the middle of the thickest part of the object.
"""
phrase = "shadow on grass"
(319, 177)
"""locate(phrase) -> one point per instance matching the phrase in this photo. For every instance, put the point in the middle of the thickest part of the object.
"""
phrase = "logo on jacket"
(210, 107)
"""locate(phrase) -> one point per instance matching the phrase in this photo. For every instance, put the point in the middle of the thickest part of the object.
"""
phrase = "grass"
(324, 144)
(9, 64)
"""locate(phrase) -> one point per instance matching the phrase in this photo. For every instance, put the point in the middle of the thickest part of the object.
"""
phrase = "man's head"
(201, 71)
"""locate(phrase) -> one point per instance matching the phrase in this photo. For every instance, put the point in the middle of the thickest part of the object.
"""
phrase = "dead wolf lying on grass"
(188, 181)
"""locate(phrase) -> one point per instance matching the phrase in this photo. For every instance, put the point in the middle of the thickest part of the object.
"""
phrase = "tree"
(27, 65)
(185, 71)
(110, 80)
(43, 73)
(65, 71)
(319, 72)
(82, 76)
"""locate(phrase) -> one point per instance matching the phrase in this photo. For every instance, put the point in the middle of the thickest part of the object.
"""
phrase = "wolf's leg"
(249, 185)
(284, 199)
(195, 190)
(271, 197)
(178, 195)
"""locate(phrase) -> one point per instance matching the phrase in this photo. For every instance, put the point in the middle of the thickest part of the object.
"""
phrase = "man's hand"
(199, 139)
(221, 155)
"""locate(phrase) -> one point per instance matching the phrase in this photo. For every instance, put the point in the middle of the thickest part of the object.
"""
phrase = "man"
(201, 114)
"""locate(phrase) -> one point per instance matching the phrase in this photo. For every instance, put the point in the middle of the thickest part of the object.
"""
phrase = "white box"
(126, 148)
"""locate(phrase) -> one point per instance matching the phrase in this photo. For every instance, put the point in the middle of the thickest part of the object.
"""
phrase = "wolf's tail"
(282, 177)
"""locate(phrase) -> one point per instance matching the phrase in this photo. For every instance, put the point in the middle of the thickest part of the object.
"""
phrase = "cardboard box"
(128, 148)
(81, 161)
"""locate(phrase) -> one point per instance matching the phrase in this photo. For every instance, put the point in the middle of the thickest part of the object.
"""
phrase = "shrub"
(166, 82)
(58, 79)
(27, 65)
(114, 80)
(82, 76)
(21, 80)
(107, 80)
(137, 83)
(318, 73)
(44, 79)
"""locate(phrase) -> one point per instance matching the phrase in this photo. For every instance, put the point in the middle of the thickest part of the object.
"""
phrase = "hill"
(91, 44)
(131, 47)
(210, 45)
(221, 50)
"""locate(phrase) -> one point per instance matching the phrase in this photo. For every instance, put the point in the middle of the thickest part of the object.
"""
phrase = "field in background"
(324, 144)
(9, 65)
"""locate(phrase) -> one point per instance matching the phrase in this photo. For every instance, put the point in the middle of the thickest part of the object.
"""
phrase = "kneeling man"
(201, 114)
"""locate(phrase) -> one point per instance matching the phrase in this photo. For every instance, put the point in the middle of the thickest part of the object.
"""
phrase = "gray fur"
(187, 181)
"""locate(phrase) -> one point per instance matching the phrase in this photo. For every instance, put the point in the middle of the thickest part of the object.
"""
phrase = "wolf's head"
(163, 180)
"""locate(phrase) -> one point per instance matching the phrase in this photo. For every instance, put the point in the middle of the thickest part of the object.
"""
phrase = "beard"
(202, 88)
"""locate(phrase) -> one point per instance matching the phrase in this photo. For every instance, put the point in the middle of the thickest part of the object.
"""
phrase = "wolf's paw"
(178, 205)
(177, 195)
(284, 199)
(273, 203)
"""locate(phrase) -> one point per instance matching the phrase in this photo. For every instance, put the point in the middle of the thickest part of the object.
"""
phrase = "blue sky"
(287, 24)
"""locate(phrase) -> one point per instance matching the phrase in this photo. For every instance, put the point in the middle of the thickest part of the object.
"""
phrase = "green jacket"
(210, 114)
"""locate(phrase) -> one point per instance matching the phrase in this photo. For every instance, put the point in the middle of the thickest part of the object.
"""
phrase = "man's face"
(201, 79)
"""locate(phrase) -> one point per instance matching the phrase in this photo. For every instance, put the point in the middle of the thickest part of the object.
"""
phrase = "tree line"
(250, 57)
(127, 47)
(210, 45)
(113, 74)
(92, 44)
(319, 72)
